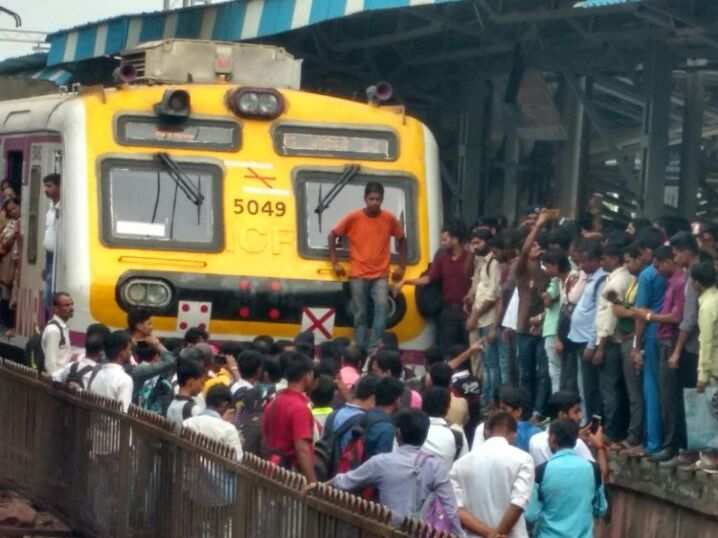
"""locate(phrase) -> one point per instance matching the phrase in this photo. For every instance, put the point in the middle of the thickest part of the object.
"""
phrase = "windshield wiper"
(192, 193)
(350, 171)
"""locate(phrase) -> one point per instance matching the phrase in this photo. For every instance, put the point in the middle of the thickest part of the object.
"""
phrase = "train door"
(45, 157)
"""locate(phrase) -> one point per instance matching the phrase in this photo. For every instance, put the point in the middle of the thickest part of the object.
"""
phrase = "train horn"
(379, 93)
(125, 73)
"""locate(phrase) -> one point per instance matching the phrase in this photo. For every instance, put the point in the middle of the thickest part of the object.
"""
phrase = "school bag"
(155, 395)
(430, 510)
(76, 376)
(34, 355)
(249, 403)
(329, 458)
(458, 442)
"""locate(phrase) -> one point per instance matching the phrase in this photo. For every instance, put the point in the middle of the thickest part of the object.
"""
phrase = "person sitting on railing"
(111, 381)
(77, 372)
(190, 378)
(410, 481)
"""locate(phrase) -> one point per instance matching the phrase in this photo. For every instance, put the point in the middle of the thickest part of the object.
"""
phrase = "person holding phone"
(608, 358)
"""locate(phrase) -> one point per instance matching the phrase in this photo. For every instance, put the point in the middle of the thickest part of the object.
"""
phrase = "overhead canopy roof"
(603, 3)
(34, 66)
(228, 21)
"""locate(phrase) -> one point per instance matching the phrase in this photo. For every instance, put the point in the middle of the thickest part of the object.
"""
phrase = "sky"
(53, 15)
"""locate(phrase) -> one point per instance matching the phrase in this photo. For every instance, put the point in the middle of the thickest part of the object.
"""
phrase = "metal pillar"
(571, 158)
(471, 170)
(511, 175)
(691, 146)
(656, 122)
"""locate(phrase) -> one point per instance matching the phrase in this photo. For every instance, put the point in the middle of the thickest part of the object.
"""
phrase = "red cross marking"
(317, 323)
(264, 179)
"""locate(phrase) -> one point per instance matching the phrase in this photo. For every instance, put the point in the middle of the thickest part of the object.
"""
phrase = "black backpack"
(76, 376)
(428, 298)
(458, 442)
(34, 355)
(249, 403)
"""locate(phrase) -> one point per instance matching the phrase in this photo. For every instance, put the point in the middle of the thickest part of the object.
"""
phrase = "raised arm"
(522, 264)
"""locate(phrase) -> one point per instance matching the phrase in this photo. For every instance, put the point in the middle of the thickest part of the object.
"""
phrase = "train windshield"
(144, 205)
(399, 199)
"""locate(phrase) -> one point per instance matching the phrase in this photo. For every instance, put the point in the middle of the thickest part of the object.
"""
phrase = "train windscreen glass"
(144, 206)
(331, 142)
(399, 199)
(216, 135)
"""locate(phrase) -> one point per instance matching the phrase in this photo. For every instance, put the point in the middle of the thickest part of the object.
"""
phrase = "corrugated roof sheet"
(604, 3)
(225, 21)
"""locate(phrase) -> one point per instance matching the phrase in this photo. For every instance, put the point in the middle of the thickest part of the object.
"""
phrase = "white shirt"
(211, 425)
(442, 442)
(240, 384)
(60, 376)
(618, 282)
(511, 317)
(56, 355)
(541, 451)
(479, 437)
(112, 382)
(489, 479)
(50, 239)
(175, 411)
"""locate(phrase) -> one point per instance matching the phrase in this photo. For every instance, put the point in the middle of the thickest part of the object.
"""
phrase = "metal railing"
(112, 474)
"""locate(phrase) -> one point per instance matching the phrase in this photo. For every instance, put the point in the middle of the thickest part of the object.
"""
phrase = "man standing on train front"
(369, 232)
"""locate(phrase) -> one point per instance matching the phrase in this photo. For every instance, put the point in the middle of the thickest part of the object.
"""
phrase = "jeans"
(591, 384)
(651, 397)
(361, 290)
(635, 395)
(572, 372)
(490, 369)
(452, 327)
(554, 362)
(533, 370)
(505, 350)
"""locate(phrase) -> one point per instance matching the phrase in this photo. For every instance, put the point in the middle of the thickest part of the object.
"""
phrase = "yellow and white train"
(201, 203)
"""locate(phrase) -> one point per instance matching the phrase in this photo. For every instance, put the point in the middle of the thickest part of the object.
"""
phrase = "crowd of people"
(557, 342)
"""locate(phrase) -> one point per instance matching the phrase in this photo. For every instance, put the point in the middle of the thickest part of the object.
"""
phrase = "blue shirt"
(404, 479)
(650, 293)
(583, 319)
(524, 432)
(379, 436)
(567, 495)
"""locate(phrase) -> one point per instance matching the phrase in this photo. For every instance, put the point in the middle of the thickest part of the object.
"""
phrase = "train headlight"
(256, 103)
(175, 105)
(147, 293)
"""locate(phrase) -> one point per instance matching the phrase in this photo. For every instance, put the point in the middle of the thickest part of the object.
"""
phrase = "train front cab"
(237, 239)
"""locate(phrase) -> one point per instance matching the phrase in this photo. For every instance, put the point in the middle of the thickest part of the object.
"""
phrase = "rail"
(112, 474)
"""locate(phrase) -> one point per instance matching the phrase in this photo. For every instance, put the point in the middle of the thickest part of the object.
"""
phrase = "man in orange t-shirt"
(369, 232)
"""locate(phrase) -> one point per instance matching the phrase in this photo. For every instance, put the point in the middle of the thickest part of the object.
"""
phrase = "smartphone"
(596, 421)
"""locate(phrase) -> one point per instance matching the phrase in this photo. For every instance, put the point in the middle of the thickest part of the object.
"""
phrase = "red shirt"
(455, 276)
(369, 239)
(285, 420)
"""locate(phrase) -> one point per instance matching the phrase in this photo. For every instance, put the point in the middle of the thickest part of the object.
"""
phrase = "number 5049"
(255, 207)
